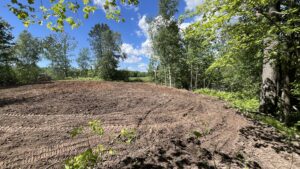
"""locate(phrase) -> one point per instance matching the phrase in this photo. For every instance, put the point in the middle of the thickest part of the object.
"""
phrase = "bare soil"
(36, 120)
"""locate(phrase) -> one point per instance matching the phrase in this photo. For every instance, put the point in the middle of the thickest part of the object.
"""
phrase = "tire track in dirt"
(43, 115)
(56, 151)
(149, 111)
(12, 129)
(48, 152)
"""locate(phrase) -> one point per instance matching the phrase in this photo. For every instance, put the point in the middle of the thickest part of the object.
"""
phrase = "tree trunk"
(155, 76)
(285, 93)
(165, 77)
(269, 89)
(191, 82)
(196, 78)
(170, 77)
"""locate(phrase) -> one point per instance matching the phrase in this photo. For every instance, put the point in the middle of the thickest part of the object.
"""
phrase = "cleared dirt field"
(36, 120)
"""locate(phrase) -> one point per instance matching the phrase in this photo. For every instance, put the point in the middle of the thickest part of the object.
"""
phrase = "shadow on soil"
(185, 154)
(16, 86)
(11, 101)
(265, 136)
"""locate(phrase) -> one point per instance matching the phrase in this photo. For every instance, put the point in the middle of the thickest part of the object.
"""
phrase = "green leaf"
(197, 134)
(30, 1)
(85, 2)
(26, 23)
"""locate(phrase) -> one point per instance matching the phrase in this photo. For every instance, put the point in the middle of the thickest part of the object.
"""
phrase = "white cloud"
(143, 25)
(146, 47)
(184, 25)
(101, 4)
(192, 4)
(130, 50)
(133, 59)
(139, 33)
(132, 19)
(143, 67)
(126, 6)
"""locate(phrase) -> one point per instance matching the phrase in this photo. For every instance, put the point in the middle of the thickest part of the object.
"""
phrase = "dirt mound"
(35, 122)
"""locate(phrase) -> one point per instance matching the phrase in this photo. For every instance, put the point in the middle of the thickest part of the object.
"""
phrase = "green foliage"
(241, 101)
(249, 106)
(27, 52)
(140, 79)
(58, 12)
(245, 30)
(7, 75)
(87, 159)
(197, 134)
(76, 131)
(96, 127)
(290, 132)
(128, 135)
(168, 8)
(92, 156)
(84, 79)
(167, 64)
(58, 49)
(84, 61)
(106, 47)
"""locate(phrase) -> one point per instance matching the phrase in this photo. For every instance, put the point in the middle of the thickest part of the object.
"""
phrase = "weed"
(76, 131)
(87, 159)
(96, 127)
(128, 135)
(197, 134)
(90, 157)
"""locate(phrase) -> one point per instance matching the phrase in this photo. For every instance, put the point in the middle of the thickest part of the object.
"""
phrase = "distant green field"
(140, 79)
(83, 79)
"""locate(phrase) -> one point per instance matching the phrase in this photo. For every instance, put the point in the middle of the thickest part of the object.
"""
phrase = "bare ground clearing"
(35, 122)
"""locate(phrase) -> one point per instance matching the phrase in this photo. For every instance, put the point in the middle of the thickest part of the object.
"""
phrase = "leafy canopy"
(55, 13)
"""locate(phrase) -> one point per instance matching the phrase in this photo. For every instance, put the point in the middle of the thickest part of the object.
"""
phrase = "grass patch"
(248, 106)
(236, 100)
(140, 79)
(83, 79)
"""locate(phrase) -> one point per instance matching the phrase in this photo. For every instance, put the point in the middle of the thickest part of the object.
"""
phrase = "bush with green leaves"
(237, 100)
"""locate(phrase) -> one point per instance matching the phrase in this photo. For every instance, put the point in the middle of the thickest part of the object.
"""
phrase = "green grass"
(140, 79)
(83, 79)
(248, 106)
(236, 100)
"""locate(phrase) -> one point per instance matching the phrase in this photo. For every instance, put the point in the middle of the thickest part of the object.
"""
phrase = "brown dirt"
(35, 122)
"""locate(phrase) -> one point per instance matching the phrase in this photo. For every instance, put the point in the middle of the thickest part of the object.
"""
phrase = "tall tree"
(273, 26)
(6, 57)
(58, 49)
(84, 60)
(27, 51)
(167, 43)
(106, 46)
(168, 8)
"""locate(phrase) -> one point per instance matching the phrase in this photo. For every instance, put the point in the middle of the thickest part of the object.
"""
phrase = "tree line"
(19, 59)
(251, 47)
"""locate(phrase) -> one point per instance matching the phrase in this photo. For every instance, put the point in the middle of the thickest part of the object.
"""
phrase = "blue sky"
(136, 42)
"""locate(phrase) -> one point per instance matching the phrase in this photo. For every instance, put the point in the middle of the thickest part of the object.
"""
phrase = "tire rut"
(149, 111)
(48, 152)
